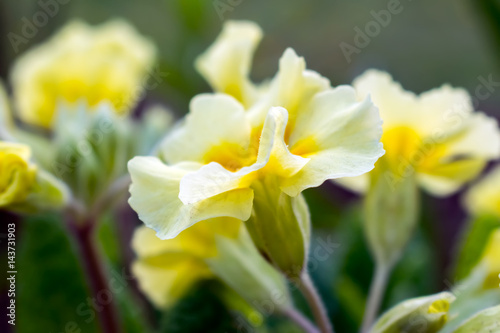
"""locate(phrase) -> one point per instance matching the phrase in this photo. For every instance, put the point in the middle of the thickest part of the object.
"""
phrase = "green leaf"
(50, 282)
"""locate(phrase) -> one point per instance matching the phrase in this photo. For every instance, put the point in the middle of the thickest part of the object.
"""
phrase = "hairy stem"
(301, 321)
(312, 297)
(94, 269)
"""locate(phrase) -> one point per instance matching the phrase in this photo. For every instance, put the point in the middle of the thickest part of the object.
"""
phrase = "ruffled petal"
(216, 129)
(291, 88)
(273, 159)
(397, 106)
(339, 135)
(226, 64)
(155, 197)
(461, 157)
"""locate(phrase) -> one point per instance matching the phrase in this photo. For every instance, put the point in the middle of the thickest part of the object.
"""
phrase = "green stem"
(312, 297)
(375, 296)
(301, 321)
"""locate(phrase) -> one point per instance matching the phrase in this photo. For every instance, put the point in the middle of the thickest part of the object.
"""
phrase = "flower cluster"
(251, 157)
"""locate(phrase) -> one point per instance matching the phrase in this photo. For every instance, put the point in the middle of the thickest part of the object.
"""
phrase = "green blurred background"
(429, 43)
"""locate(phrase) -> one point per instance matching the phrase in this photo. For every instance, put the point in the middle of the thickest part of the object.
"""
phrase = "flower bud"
(17, 175)
(24, 188)
(424, 314)
(391, 212)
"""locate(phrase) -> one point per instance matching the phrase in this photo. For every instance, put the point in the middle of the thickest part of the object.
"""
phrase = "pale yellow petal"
(166, 286)
(273, 158)
(226, 64)
(484, 197)
(339, 135)
(155, 197)
(291, 88)
(216, 129)
(396, 106)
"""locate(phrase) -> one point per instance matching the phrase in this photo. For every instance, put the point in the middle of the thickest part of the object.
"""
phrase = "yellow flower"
(251, 161)
(106, 63)
(436, 136)
(17, 174)
(24, 188)
(484, 197)
(214, 161)
(167, 269)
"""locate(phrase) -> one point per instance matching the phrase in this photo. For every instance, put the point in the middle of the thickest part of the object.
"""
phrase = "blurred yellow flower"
(17, 174)
(94, 64)
(167, 269)
(436, 136)
(484, 197)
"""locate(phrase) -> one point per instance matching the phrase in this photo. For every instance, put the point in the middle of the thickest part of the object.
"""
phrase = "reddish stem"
(96, 276)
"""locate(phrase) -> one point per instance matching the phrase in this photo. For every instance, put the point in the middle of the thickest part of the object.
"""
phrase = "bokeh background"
(427, 44)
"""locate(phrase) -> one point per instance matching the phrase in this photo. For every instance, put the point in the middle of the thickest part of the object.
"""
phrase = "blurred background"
(428, 43)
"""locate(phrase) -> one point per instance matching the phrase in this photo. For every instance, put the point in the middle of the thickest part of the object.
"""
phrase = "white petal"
(340, 135)
(155, 197)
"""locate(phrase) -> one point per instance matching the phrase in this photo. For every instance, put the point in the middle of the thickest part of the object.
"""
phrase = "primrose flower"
(435, 136)
(105, 63)
(17, 175)
(166, 269)
(250, 155)
(216, 248)
(23, 187)
(218, 166)
(484, 197)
